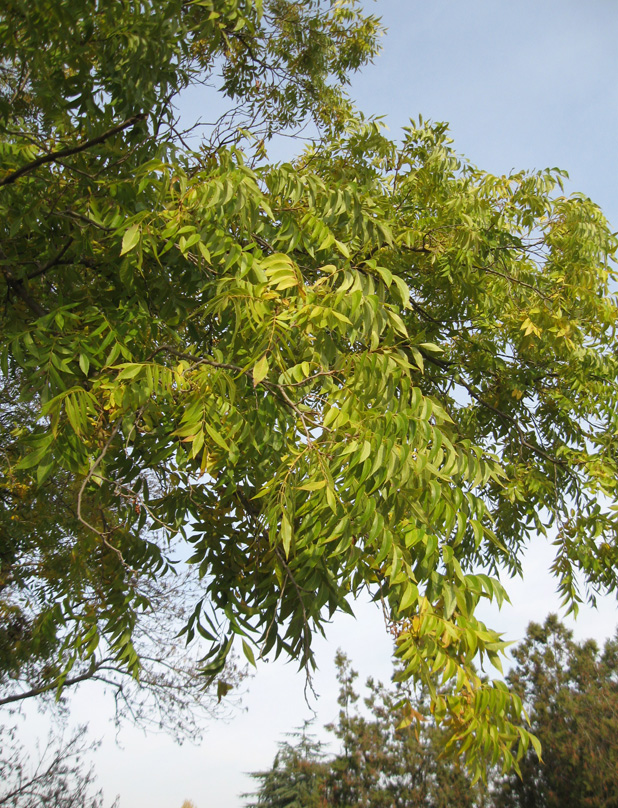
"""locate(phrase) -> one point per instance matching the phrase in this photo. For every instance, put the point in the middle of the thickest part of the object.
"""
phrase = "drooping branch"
(279, 389)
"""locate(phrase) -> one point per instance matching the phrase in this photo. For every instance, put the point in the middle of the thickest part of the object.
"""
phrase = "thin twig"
(87, 479)
(506, 417)
(513, 280)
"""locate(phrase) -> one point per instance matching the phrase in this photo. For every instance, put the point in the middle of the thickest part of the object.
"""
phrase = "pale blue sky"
(524, 84)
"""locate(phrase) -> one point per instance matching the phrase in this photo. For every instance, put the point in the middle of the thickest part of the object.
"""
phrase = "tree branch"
(17, 285)
(37, 691)
(52, 261)
(278, 388)
(54, 157)
(512, 279)
(509, 418)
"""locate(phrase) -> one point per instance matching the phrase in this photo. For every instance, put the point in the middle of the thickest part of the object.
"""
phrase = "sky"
(523, 84)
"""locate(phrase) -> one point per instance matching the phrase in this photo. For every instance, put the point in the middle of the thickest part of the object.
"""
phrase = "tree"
(376, 367)
(56, 778)
(390, 753)
(297, 778)
(74, 606)
(170, 694)
(570, 690)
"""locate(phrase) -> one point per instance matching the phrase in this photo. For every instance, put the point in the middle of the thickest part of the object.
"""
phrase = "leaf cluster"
(374, 368)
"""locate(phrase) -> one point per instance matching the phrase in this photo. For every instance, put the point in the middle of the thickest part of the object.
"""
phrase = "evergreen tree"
(570, 690)
(297, 778)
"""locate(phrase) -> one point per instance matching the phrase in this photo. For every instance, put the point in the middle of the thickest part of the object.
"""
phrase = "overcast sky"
(524, 84)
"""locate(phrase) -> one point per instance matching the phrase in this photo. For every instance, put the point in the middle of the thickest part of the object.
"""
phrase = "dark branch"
(17, 285)
(37, 691)
(54, 157)
(52, 261)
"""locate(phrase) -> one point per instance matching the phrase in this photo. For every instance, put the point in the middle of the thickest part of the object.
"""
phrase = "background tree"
(53, 776)
(376, 367)
(298, 777)
(571, 692)
(170, 694)
(391, 751)
(390, 754)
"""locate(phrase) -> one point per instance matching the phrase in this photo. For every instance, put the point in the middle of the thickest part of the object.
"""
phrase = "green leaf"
(129, 370)
(260, 370)
(450, 600)
(130, 239)
(216, 436)
(248, 652)
(404, 291)
(342, 248)
(84, 363)
(536, 744)
(286, 533)
(410, 597)
(223, 688)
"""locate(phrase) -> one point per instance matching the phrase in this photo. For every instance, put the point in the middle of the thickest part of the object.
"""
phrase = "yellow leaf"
(316, 486)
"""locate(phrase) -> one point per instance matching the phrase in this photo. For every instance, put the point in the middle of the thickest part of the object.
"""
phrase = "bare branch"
(37, 691)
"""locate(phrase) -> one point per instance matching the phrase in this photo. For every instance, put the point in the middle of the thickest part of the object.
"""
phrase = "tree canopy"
(83, 133)
(374, 367)
(571, 692)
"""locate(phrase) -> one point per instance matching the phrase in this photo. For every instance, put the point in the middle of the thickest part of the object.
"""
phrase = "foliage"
(74, 606)
(571, 692)
(170, 694)
(375, 367)
(391, 751)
